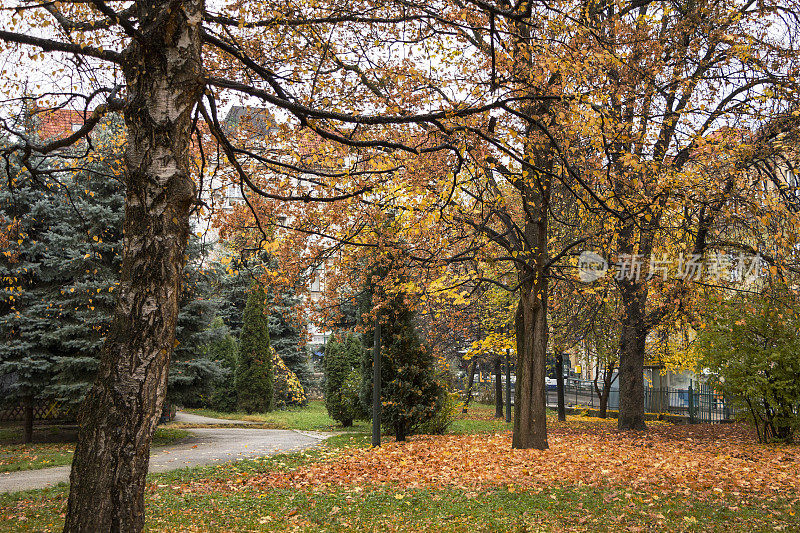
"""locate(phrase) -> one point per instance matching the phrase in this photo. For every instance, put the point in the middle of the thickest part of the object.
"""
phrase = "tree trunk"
(530, 400)
(530, 420)
(608, 380)
(28, 420)
(498, 388)
(400, 431)
(471, 381)
(631, 359)
(633, 291)
(604, 404)
(163, 74)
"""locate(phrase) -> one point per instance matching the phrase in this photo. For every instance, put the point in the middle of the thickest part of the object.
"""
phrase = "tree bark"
(530, 415)
(634, 329)
(631, 358)
(498, 388)
(470, 383)
(602, 395)
(400, 431)
(28, 420)
(604, 404)
(164, 83)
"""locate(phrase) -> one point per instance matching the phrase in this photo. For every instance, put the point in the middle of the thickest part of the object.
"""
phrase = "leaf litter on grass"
(703, 461)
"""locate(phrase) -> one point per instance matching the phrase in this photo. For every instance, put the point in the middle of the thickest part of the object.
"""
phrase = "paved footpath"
(204, 446)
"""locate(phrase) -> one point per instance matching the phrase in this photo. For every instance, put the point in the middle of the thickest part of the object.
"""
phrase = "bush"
(340, 365)
(288, 389)
(447, 410)
(350, 402)
(751, 346)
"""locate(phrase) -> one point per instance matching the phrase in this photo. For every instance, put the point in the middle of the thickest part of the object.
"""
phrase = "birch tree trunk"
(164, 82)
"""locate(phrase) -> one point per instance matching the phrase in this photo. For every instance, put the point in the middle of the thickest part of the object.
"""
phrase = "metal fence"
(701, 404)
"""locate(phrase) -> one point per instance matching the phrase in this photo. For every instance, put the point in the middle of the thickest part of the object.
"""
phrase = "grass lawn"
(593, 478)
(314, 417)
(54, 445)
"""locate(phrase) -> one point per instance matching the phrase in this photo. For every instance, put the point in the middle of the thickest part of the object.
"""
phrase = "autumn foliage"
(718, 464)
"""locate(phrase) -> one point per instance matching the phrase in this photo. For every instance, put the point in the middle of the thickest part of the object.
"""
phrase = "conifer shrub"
(255, 377)
(343, 380)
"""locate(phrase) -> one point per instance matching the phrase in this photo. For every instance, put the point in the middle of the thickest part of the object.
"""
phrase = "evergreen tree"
(410, 392)
(61, 267)
(27, 364)
(341, 361)
(223, 350)
(254, 372)
(193, 372)
(286, 326)
(286, 335)
(233, 282)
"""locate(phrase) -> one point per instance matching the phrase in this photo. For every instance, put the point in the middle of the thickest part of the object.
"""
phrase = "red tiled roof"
(58, 123)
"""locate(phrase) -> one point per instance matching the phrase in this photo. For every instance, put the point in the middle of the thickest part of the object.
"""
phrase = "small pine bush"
(350, 402)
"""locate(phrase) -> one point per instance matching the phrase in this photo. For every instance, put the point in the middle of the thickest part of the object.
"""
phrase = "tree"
(223, 349)
(286, 333)
(341, 362)
(193, 373)
(204, 56)
(255, 375)
(167, 63)
(288, 389)
(286, 320)
(668, 121)
(410, 391)
(60, 267)
(602, 339)
(750, 344)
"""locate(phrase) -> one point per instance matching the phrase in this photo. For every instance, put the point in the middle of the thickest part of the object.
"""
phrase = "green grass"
(166, 436)
(312, 417)
(219, 498)
(15, 456)
(191, 499)
(479, 419)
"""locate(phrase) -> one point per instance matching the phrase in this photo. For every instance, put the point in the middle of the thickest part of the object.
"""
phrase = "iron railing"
(701, 404)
